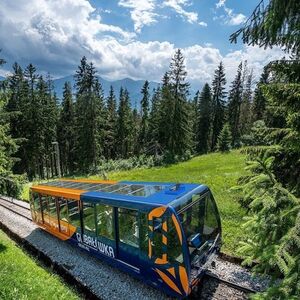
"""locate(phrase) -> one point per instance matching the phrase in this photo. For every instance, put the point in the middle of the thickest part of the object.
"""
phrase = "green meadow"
(22, 278)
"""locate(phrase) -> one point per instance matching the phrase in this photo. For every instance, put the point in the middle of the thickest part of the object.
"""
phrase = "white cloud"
(142, 12)
(230, 18)
(54, 35)
(146, 12)
(177, 6)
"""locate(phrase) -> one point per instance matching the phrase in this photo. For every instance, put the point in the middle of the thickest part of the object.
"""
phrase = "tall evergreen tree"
(246, 105)
(259, 101)
(144, 134)
(167, 114)
(234, 105)
(154, 123)
(66, 130)
(111, 125)
(9, 183)
(204, 120)
(219, 104)
(124, 126)
(34, 122)
(194, 106)
(89, 110)
(181, 136)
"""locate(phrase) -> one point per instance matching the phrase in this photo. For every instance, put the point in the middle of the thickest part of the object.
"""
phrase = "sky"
(128, 38)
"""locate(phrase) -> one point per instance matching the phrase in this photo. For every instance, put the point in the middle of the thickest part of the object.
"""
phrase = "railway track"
(212, 286)
(16, 207)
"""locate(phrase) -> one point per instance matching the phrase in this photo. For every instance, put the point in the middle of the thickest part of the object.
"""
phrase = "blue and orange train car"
(161, 233)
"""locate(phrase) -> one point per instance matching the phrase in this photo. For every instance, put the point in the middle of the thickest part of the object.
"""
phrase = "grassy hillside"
(219, 171)
(22, 278)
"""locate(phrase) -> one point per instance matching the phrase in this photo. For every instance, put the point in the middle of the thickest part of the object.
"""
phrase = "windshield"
(200, 222)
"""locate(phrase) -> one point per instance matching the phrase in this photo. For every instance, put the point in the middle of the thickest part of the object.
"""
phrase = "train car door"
(128, 242)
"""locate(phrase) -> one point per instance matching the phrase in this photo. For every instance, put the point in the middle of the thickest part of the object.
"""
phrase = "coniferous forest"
(261, 117)
(170, 124)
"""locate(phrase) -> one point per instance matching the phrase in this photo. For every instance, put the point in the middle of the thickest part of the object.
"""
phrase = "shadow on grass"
(2, 248)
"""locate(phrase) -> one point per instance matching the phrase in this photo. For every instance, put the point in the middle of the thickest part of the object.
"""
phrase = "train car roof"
(151, 193)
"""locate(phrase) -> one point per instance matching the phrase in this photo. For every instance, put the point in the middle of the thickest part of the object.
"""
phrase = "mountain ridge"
(133, 86)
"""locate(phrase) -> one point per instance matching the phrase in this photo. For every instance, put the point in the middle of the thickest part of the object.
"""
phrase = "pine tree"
(276, 23)
(224, 139)
(144, 134)
(10, 184)
(194, 106)
(219, 104)
(180, 135)
(154, 146)
(259, 101)
(66, 131)
(204, 120)
(34, 123)
(167, 112)
(234, 105)
(124, 125)
(246, 105)
(111, 125)
(89, 110)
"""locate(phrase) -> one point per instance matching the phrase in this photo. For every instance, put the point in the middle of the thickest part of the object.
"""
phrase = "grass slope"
(219, 171)
(22, 278)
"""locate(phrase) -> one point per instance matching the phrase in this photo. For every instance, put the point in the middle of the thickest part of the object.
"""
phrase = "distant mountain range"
(133, 86)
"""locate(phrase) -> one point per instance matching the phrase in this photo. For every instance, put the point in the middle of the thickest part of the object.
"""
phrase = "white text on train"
(95, 244)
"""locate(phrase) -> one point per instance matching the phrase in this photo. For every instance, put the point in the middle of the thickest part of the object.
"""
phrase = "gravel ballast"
(102, 280)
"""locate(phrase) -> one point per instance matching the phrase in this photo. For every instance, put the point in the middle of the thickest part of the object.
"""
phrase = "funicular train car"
(161, 233)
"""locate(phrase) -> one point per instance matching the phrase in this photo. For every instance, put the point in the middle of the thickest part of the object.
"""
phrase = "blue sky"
(128, 38)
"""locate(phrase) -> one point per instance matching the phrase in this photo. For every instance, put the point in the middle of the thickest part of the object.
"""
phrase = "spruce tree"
(34, 122)
(194, 105)
(167, 112)
(66, 130)
(124, 125)
(259, 101)
(154, 146)
(110, 150)
(219, 104)
(9, 183)
(204, 120)
(144, 134)
(246, 105)
(234, 105)
(180, 135)
(224, 139)
(89, 109)
(276, 23)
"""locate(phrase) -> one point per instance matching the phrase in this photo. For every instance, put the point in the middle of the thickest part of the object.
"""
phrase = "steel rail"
(229, 283)
(10, 208)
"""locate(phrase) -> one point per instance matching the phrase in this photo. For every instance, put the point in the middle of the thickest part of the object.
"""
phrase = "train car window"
(174, 246)
(52, 207)
(128, 227)
(157, 244)
(211, 226)
(74, 215)
(105, 221)
(200, 223)
(89, 223)
(45, 208)
(36, 207)
(144, 239)
(63, 215)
